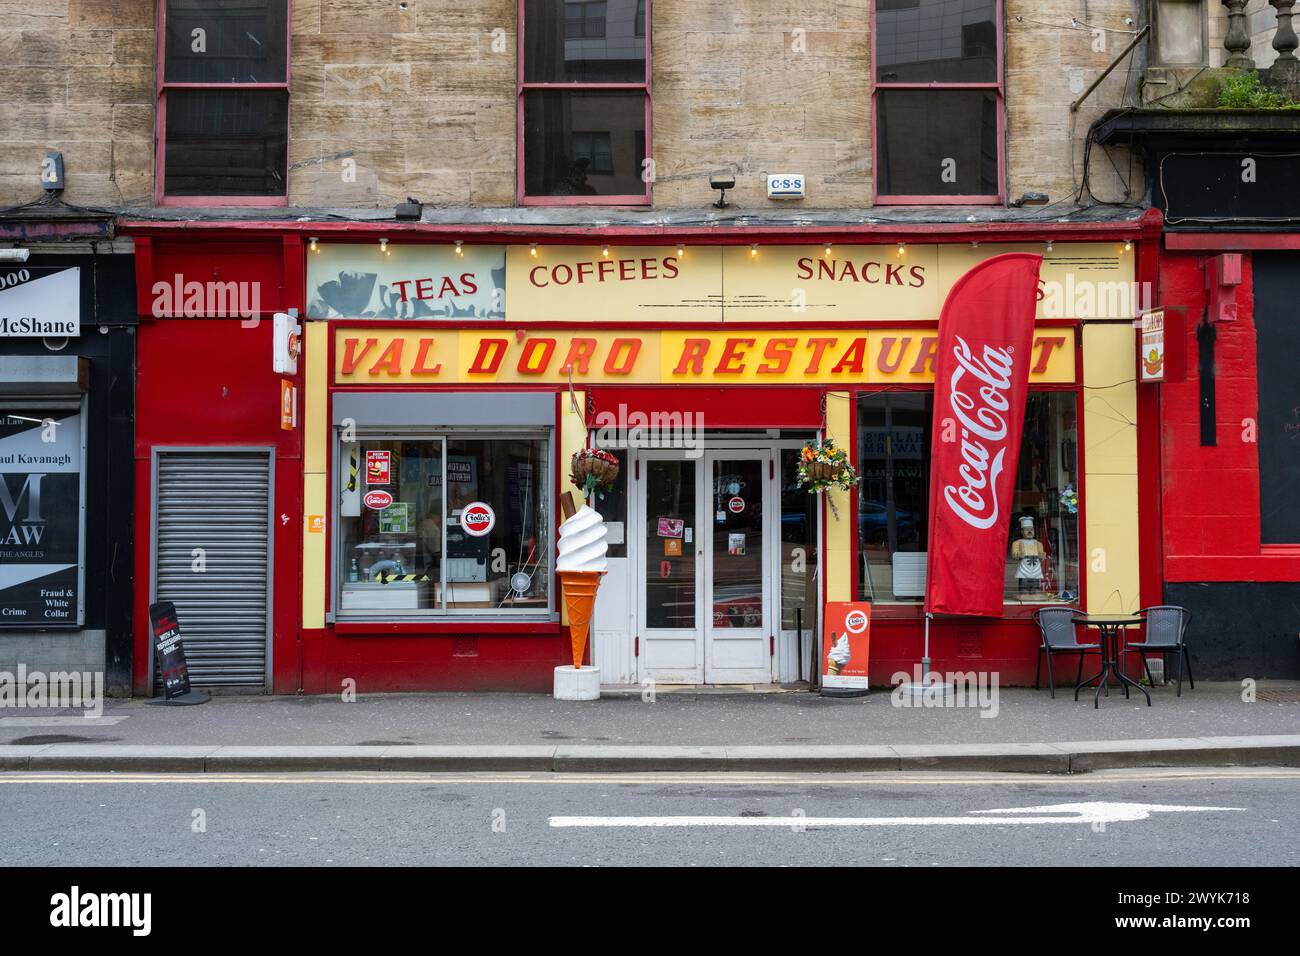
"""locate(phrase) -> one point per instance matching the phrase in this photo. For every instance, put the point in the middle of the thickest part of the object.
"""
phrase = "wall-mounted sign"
(477, 519)
(286, 342)
(40, 302)
(796, 285)
(741, 356)
(786, 186)
(415, 281)
(1151, 353)
(288, 405)
(40, 518)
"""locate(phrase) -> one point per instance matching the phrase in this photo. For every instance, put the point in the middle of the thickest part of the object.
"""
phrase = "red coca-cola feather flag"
(981, 375)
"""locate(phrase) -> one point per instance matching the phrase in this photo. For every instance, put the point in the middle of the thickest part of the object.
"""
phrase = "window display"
(447, 524)
(894, 437)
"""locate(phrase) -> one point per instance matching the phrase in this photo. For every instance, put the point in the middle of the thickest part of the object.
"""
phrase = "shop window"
(938, 101)
(893, 494)
(583, 66)
(894, 438)
(451, 524)
(223, 102)
(1043, 556)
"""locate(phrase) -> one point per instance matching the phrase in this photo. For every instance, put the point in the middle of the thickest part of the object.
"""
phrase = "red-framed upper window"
(223, 103)
(937, 101)
(584, 102)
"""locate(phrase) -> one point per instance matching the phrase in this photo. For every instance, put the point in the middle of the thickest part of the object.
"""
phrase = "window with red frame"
(938, 101)
(584, 101)
(223, 100)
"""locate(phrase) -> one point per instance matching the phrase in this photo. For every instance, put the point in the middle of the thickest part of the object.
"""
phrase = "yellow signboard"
(796, 285)
(745, 356)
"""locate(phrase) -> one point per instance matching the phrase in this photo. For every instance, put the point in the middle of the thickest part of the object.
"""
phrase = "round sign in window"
(477, 519)
(378, 500)
(736, 505)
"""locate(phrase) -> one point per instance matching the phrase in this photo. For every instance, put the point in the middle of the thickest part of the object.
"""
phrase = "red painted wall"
(467, 661)
(1210, 494)
(208, 382)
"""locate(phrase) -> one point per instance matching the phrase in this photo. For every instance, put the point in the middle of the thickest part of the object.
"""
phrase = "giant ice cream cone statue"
(581, 565)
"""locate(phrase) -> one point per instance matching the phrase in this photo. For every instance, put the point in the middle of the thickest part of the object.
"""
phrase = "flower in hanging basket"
(823, 465)
(593, 470)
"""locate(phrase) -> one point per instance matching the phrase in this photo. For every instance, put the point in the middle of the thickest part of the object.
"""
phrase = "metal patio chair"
(1056, 626)
(1165, 633)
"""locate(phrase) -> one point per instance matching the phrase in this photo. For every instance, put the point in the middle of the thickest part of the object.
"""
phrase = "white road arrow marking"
(1090, 813)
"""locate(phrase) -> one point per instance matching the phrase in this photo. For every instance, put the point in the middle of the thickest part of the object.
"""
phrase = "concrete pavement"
(1022, 730)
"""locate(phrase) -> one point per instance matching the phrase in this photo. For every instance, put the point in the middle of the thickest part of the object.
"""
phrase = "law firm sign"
(40, 303)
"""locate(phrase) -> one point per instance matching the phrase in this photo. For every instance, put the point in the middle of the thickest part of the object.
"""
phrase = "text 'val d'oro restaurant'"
(446, 389)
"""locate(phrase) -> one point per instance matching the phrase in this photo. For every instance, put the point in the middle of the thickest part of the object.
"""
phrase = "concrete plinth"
(577, 683)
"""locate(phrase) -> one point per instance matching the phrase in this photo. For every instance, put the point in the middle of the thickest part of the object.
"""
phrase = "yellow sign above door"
(753, 356)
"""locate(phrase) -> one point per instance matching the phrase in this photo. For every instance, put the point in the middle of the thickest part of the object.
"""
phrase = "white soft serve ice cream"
(840, 653)
(582, 542)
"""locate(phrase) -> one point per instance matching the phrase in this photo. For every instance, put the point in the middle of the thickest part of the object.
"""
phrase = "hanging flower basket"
(593, 470)
(824, 465)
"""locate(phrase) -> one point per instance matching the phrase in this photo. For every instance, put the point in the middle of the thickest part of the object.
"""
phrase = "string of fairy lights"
(534, 249)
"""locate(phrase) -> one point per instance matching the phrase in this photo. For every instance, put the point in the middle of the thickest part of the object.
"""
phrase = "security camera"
(722, 181)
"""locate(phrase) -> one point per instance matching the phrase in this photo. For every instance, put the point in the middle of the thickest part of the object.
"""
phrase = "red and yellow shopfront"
(460, 377)
(397, 527)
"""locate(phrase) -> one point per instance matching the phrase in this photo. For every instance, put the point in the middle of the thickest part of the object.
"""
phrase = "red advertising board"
(846, 645)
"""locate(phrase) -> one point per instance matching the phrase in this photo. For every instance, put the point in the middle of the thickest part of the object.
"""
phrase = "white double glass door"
(707, 529)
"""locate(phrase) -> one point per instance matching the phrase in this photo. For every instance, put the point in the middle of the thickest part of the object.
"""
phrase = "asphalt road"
(894, 819)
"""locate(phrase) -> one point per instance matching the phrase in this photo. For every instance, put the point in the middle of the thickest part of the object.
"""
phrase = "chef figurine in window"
(1029, 551)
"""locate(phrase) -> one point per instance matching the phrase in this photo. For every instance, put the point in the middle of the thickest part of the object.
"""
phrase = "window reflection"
(583, 42)
(410, 549)
(894, 439)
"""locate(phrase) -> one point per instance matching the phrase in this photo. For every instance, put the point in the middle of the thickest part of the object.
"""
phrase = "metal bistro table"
(1111, 627)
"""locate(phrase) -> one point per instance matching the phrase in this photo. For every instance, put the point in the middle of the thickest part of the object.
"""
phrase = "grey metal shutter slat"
(218, 501)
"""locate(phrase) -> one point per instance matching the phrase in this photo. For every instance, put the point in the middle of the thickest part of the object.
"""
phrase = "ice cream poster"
(378, 467)
(846, 644)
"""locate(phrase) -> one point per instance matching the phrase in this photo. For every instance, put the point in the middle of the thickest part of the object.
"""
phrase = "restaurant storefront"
(447, 386)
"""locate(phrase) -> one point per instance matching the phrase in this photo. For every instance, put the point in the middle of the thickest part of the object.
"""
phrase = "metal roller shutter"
(218, 501)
